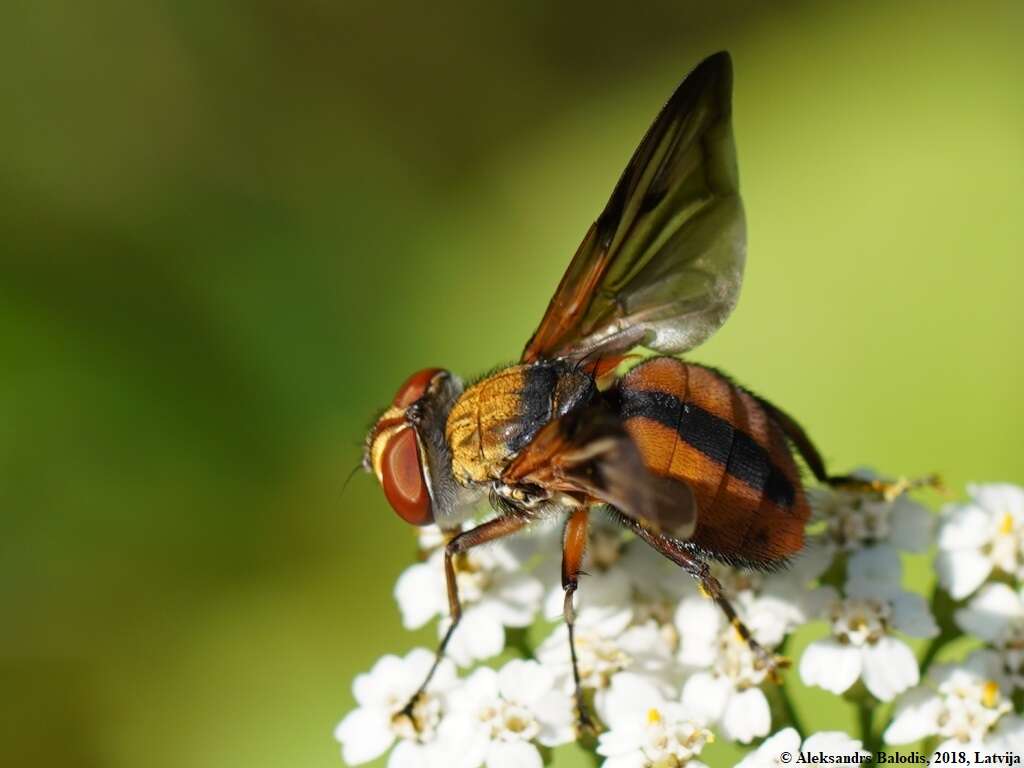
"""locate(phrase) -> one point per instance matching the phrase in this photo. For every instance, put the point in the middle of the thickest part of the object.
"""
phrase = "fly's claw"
(890, 490)
(586, 726)
(405, 721)
(772, 663)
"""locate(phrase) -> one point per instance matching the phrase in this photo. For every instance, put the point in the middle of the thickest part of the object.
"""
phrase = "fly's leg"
(574, 544)
(712, 588)
(887, 489)
(765, 659)
(489, 531)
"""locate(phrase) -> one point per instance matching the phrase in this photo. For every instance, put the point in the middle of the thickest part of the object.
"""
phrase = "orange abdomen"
(692, 423)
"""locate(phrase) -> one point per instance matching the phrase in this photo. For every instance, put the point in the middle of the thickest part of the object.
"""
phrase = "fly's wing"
(588, 454)
(662, 265)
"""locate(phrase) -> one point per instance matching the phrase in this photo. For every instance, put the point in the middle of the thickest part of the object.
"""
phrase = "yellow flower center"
(989, 694)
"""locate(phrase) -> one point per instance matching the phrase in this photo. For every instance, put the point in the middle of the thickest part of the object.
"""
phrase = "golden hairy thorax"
(480, 423)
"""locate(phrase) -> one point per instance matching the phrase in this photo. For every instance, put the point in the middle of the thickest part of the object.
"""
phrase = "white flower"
(996, 615)
(774, 604)
(962, 704)
(861, 642)
(623, 582)
(641, 649)
(768, 755)
(656, 581)
(725, 690)
(368, 732)
(605, 597)
(857, 518)
(646, 730)
(602, 601)
(494, 590)
(498, 718)
(431, 537)
(981, 535)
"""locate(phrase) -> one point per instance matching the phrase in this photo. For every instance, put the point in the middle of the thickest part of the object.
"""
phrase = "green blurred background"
(230, 229)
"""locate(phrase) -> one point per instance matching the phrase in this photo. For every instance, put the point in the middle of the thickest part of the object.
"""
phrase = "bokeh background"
(228, 230)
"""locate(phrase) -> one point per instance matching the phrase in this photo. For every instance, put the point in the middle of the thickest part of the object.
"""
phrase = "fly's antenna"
(348, 479)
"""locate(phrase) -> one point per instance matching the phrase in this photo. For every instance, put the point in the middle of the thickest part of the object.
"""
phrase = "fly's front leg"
(574, 544)
(489, 531)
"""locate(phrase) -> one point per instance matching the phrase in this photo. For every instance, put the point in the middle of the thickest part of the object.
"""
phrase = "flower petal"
(604, 602)
(556, 715)
(830, 665)
(962, 571)
(629, 699)
(1000, 497)
(515, 597)
(621, 741)
(910, 524)
(889, 668)
(964, 526)
(699, 621)
(376, 687)
(874, 572)
(634, 759)
(364, 735)
(834, 743)
(988, 612)
(480, 635)
(767, 755)
(417, 592)
(461, 742)
(524, 682)
(1009, 734)
(986, 664)
(746, 716)
(478, 690)
(513, 754)
(408, 754)
(812, 562)
(916, 716)
(910, 614)
(706, 695)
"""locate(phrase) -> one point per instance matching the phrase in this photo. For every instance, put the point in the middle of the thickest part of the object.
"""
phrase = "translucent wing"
(662, 265)
(588, 454)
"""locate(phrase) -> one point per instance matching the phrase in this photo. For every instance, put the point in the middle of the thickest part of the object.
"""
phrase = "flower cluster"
(664, 672)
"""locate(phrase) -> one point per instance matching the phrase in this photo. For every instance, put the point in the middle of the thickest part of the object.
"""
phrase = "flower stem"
(865, 715)
(942, 607)
(782, 700)
(789, 710)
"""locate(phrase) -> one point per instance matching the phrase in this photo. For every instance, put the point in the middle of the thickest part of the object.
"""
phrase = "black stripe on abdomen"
(539, 381)
(716, 438)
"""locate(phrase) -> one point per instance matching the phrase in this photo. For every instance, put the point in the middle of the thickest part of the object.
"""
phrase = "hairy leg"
(699, 570)
(812, 457)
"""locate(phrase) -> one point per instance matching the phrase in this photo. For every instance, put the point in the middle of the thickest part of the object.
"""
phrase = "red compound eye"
(414, 387)
(402, 476)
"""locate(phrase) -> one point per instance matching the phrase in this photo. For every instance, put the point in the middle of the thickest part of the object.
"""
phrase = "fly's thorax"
(499, 415)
